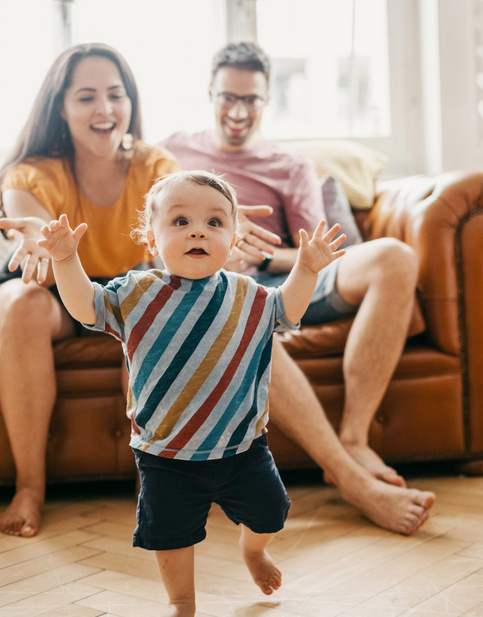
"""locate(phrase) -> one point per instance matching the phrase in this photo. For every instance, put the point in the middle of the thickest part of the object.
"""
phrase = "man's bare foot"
(367, 458)
(396, 508)
(263, 571)
(22, 517)
(471, 468)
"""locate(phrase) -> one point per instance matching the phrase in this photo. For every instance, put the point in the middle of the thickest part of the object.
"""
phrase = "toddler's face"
(193, 230)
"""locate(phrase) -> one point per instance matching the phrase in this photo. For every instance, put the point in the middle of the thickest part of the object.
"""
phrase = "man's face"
(237, 121)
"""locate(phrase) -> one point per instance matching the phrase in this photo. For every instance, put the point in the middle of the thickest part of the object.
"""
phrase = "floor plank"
(334, 562)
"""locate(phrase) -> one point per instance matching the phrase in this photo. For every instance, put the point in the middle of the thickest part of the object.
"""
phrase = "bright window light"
(169, 46)
(330, 59)
(330, 68)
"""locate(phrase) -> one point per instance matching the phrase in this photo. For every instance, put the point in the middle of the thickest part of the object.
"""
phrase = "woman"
(81, 153)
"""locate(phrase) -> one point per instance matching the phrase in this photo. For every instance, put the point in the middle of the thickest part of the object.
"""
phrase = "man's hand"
(319, 251)
(253, 240)
(60, 240)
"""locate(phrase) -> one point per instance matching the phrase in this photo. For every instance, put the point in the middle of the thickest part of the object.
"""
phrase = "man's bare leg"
(296, 410)
(379, 276)
(31, 318)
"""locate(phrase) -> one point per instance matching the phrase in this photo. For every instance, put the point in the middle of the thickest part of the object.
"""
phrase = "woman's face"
(97, 108)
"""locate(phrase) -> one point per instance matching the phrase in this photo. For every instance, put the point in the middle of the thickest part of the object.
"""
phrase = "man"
(374, 280)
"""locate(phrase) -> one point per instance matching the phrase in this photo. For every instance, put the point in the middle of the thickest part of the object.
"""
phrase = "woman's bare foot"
(367, 458)
(264, 572)
(396, 508)
(22, 516)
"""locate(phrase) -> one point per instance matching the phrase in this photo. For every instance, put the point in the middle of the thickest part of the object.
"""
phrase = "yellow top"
(106, 249)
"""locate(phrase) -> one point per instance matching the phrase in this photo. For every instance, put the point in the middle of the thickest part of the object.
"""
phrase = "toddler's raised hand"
(321, 249)
(60, 240)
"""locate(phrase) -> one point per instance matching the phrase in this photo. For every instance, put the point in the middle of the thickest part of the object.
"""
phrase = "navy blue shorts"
(176, 496)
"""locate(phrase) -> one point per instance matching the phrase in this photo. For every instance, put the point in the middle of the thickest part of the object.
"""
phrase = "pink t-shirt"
(263, 174)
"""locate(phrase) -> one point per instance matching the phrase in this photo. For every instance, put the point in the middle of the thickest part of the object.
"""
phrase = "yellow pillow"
(354, 165)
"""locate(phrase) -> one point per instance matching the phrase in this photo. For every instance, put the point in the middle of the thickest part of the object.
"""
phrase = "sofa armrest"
(441, 217)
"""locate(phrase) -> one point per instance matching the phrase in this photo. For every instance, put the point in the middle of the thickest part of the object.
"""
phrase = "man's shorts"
(176, 496)
(326, 304)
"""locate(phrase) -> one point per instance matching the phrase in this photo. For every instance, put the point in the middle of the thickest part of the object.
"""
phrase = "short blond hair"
(200, 177)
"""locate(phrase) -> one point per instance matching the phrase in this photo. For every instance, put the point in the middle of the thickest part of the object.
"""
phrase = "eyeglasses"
(251, 102)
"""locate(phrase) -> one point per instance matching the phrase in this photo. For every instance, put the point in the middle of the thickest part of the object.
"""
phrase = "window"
(330, 67)
(330, 71)
(169, 46)
(170, 55)
(342, 68)
(26, 52)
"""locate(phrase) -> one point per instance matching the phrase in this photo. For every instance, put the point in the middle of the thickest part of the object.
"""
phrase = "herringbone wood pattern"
(334, 562)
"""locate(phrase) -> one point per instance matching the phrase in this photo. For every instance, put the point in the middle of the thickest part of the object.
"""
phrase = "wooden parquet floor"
(334, 562)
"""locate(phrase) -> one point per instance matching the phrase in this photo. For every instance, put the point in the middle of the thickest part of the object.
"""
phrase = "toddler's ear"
(152, 243)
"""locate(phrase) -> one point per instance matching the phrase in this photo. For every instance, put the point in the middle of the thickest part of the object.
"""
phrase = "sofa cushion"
(338, 210)
(96, 351)
(355, 166)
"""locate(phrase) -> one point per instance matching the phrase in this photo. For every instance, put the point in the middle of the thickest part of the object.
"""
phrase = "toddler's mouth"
(197, 252)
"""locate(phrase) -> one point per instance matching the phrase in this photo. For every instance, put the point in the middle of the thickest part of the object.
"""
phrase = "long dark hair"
(45, 133)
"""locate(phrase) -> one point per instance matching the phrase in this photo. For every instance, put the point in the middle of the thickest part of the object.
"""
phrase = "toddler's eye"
(214, 223)
(180, 220)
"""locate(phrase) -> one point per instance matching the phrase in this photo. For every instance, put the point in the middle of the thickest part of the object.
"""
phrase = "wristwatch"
(263, 265)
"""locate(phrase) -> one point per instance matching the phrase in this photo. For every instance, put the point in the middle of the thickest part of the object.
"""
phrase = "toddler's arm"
(313, 256)
(75, 287)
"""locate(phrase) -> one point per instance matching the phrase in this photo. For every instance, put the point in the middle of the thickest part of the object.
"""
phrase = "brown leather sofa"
(433, 409)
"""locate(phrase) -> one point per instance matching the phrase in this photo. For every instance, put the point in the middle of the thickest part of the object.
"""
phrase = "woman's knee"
(25, 306)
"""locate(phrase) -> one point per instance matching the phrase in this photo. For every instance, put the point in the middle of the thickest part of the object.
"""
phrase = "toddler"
(197, 341)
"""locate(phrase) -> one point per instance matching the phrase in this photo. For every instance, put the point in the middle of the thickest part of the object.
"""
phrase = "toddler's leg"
(177, 569)
(259, 562)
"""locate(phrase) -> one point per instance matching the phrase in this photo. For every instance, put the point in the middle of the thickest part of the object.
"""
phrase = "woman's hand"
(253, 240)
(28, 255)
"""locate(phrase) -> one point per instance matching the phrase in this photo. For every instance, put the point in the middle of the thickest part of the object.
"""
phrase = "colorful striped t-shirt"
(199, 355)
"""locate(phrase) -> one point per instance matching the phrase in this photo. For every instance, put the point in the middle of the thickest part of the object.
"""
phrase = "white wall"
(461, 37)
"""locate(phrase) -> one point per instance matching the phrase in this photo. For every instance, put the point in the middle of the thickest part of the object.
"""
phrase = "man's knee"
(390, 258)
(399, 259)
(384, 264)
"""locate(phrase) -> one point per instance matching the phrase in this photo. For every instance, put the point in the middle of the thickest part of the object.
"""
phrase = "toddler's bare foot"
(181, 610)
(367, 458)
(263, 571)
(22, 517)
(398, 509)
